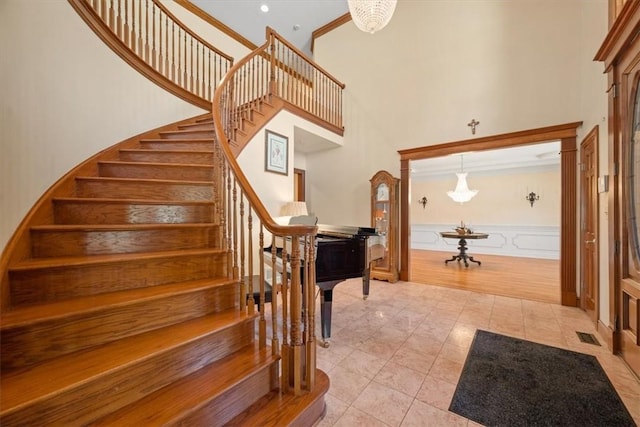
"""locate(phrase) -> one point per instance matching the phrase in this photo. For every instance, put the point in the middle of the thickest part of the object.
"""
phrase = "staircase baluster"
(153, 37)
(126, 23)
(146, 32)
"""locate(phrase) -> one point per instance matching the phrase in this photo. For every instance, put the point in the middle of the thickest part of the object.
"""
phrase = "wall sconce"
(423, 202)
(532, 197)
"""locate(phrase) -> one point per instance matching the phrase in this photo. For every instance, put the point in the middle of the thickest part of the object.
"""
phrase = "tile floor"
(395, 359)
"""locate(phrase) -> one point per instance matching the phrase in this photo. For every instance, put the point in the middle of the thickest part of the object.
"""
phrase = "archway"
(567, 136)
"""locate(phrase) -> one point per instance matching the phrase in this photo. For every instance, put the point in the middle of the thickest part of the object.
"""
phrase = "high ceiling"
(295, 20)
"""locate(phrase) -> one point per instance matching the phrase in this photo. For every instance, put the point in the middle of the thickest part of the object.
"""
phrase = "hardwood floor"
(528, 278)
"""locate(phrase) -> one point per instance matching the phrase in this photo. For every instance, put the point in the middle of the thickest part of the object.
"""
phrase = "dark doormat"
(512, 382)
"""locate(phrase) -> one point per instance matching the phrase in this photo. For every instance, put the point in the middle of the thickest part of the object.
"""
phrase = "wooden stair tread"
(209, 140)
(186, 395)
(146, 150)
(54, 262)
(23, 316)
(120, 227)
(57, 375)
(141, 180)
(132, 201)
(180, 132)
(285, 409)
(154, 164)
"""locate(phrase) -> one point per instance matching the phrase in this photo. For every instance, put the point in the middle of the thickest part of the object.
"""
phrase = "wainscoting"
(526, 241)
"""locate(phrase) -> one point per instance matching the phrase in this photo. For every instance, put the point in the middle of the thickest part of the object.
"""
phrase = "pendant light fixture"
(371, 15)
(462, 193)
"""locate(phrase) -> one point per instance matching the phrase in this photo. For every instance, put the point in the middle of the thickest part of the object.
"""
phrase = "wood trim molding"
(217, 24)
(566, 133)
(512, 139)
(619, 34)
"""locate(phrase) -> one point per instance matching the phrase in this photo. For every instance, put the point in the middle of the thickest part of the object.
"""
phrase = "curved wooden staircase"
(123, 293)
(119, 307)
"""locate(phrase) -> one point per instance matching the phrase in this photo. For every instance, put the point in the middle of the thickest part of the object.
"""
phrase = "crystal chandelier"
(371, 15)
(462, 193)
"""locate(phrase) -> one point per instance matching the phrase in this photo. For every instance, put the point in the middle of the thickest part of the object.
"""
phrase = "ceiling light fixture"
(462, 193)
(371, 15)
(264, 8)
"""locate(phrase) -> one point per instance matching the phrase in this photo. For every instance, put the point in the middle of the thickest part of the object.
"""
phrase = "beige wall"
(511, 65)
(65, 96)
(500, 200)
(275, 189)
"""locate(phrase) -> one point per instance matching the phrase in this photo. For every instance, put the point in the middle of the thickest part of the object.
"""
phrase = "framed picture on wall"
(276, 153)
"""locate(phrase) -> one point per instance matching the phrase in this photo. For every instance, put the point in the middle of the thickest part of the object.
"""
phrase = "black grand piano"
(343, 252)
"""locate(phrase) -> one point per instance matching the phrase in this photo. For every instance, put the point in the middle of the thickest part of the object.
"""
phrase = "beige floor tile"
(454, 352)
(413, 360)
(422, 344)
(507, 326)
(379, 347)
(475, 316)
(384, 403)
(545, 336)
(407, 320)
(346, 385)
(433, 331)
(436, 392)
(356, 418)
(335, 409)
(461, 335)
(423, 415)
(361, 363)
(400, 378)
(446, 369)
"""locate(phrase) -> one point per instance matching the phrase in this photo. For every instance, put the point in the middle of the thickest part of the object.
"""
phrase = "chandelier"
(462, 193)
(371, 15)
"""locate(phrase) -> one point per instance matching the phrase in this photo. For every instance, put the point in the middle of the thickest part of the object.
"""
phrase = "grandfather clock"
(384, 217)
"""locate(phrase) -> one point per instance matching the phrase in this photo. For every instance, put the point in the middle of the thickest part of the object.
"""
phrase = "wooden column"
(405, 223)
(568, 236)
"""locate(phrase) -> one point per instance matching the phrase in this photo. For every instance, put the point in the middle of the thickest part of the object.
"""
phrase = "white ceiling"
(537, 156)
(284, 16)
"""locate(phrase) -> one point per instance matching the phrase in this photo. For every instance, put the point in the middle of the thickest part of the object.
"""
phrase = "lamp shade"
(294, 209)
(462, 193)
(371, 15)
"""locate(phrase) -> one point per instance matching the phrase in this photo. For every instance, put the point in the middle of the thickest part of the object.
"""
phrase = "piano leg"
(325, 315)
(365, 282)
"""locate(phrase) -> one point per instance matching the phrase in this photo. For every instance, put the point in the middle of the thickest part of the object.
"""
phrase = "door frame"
(566, 134)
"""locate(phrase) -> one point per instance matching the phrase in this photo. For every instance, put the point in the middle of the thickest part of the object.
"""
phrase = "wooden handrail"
(156, 43)
(275, 69)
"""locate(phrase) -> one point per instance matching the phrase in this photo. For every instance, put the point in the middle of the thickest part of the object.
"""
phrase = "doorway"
(566, 134)
(299, 185)
(589, 254)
